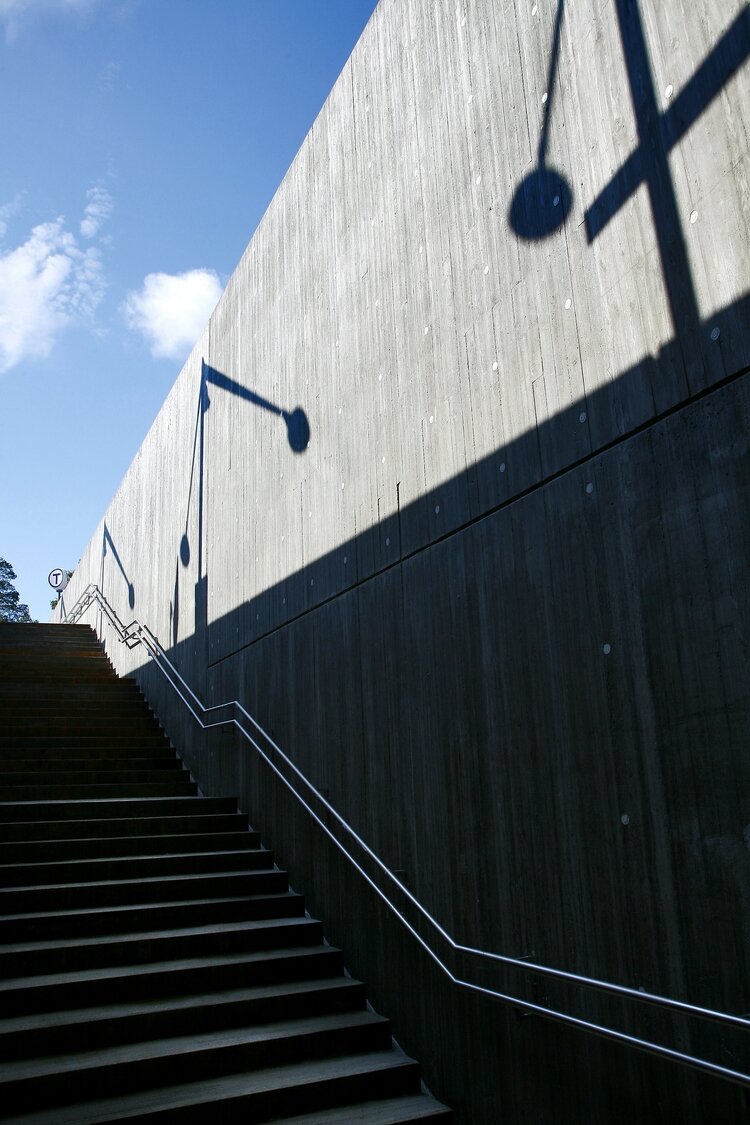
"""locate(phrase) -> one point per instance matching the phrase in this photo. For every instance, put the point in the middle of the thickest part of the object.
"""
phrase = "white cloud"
(171, 310)
(98, 210)
(15, 13)
(46, 284)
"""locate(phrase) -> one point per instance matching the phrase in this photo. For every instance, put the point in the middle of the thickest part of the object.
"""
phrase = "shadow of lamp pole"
(297, 433)
(543, 198)
(297, 426)
(298, 437)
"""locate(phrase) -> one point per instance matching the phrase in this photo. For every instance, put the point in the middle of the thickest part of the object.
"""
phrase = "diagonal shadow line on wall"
(613, 413)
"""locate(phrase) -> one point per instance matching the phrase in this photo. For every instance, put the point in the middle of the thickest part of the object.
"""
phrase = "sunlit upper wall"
(430, 283)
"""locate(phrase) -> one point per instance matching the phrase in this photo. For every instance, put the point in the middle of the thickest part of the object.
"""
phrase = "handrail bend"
(137, 633)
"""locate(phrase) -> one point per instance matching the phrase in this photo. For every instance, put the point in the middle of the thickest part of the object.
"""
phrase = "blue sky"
(141, 142)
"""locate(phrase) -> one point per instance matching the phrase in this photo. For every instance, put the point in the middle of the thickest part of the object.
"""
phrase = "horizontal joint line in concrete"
(635, 431)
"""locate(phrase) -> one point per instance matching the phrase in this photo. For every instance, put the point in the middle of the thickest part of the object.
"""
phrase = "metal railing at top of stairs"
(137, 633)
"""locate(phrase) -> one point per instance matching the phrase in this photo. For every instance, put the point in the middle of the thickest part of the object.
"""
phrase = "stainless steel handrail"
(136, 633)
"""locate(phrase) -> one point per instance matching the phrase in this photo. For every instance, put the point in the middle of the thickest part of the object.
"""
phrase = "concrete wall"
(453, 495)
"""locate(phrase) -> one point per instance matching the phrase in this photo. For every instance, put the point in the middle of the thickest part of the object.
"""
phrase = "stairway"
(155, 965)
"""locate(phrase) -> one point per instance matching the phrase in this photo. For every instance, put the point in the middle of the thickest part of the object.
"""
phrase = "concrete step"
(123, 809)
(51, 649)
(132, 867)
(98, 755)
(86, 896)
(136, 718)
(80, 924)
(48, 646)
(178, 786)
(61, 729)
(38, 632)
(60, 715)
(18, 771)
(390, 1111)
(118, 704)
(67, 955)
(45, 851)
(20, 694)
(51, 1033)
(303, 958)
(82, 741)
(42, 655)
(258, 1096)
(33, 1084)
(133, 826)
(94, 671)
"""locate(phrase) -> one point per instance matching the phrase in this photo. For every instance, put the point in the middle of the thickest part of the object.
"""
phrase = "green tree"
(11, 609)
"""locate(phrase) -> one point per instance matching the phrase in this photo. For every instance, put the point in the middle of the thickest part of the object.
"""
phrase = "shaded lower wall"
(541, 723)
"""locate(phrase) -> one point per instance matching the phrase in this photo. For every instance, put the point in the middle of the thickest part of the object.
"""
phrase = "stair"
(154, 964)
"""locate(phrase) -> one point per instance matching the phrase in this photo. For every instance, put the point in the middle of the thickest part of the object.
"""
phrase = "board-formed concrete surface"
(452, 494)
